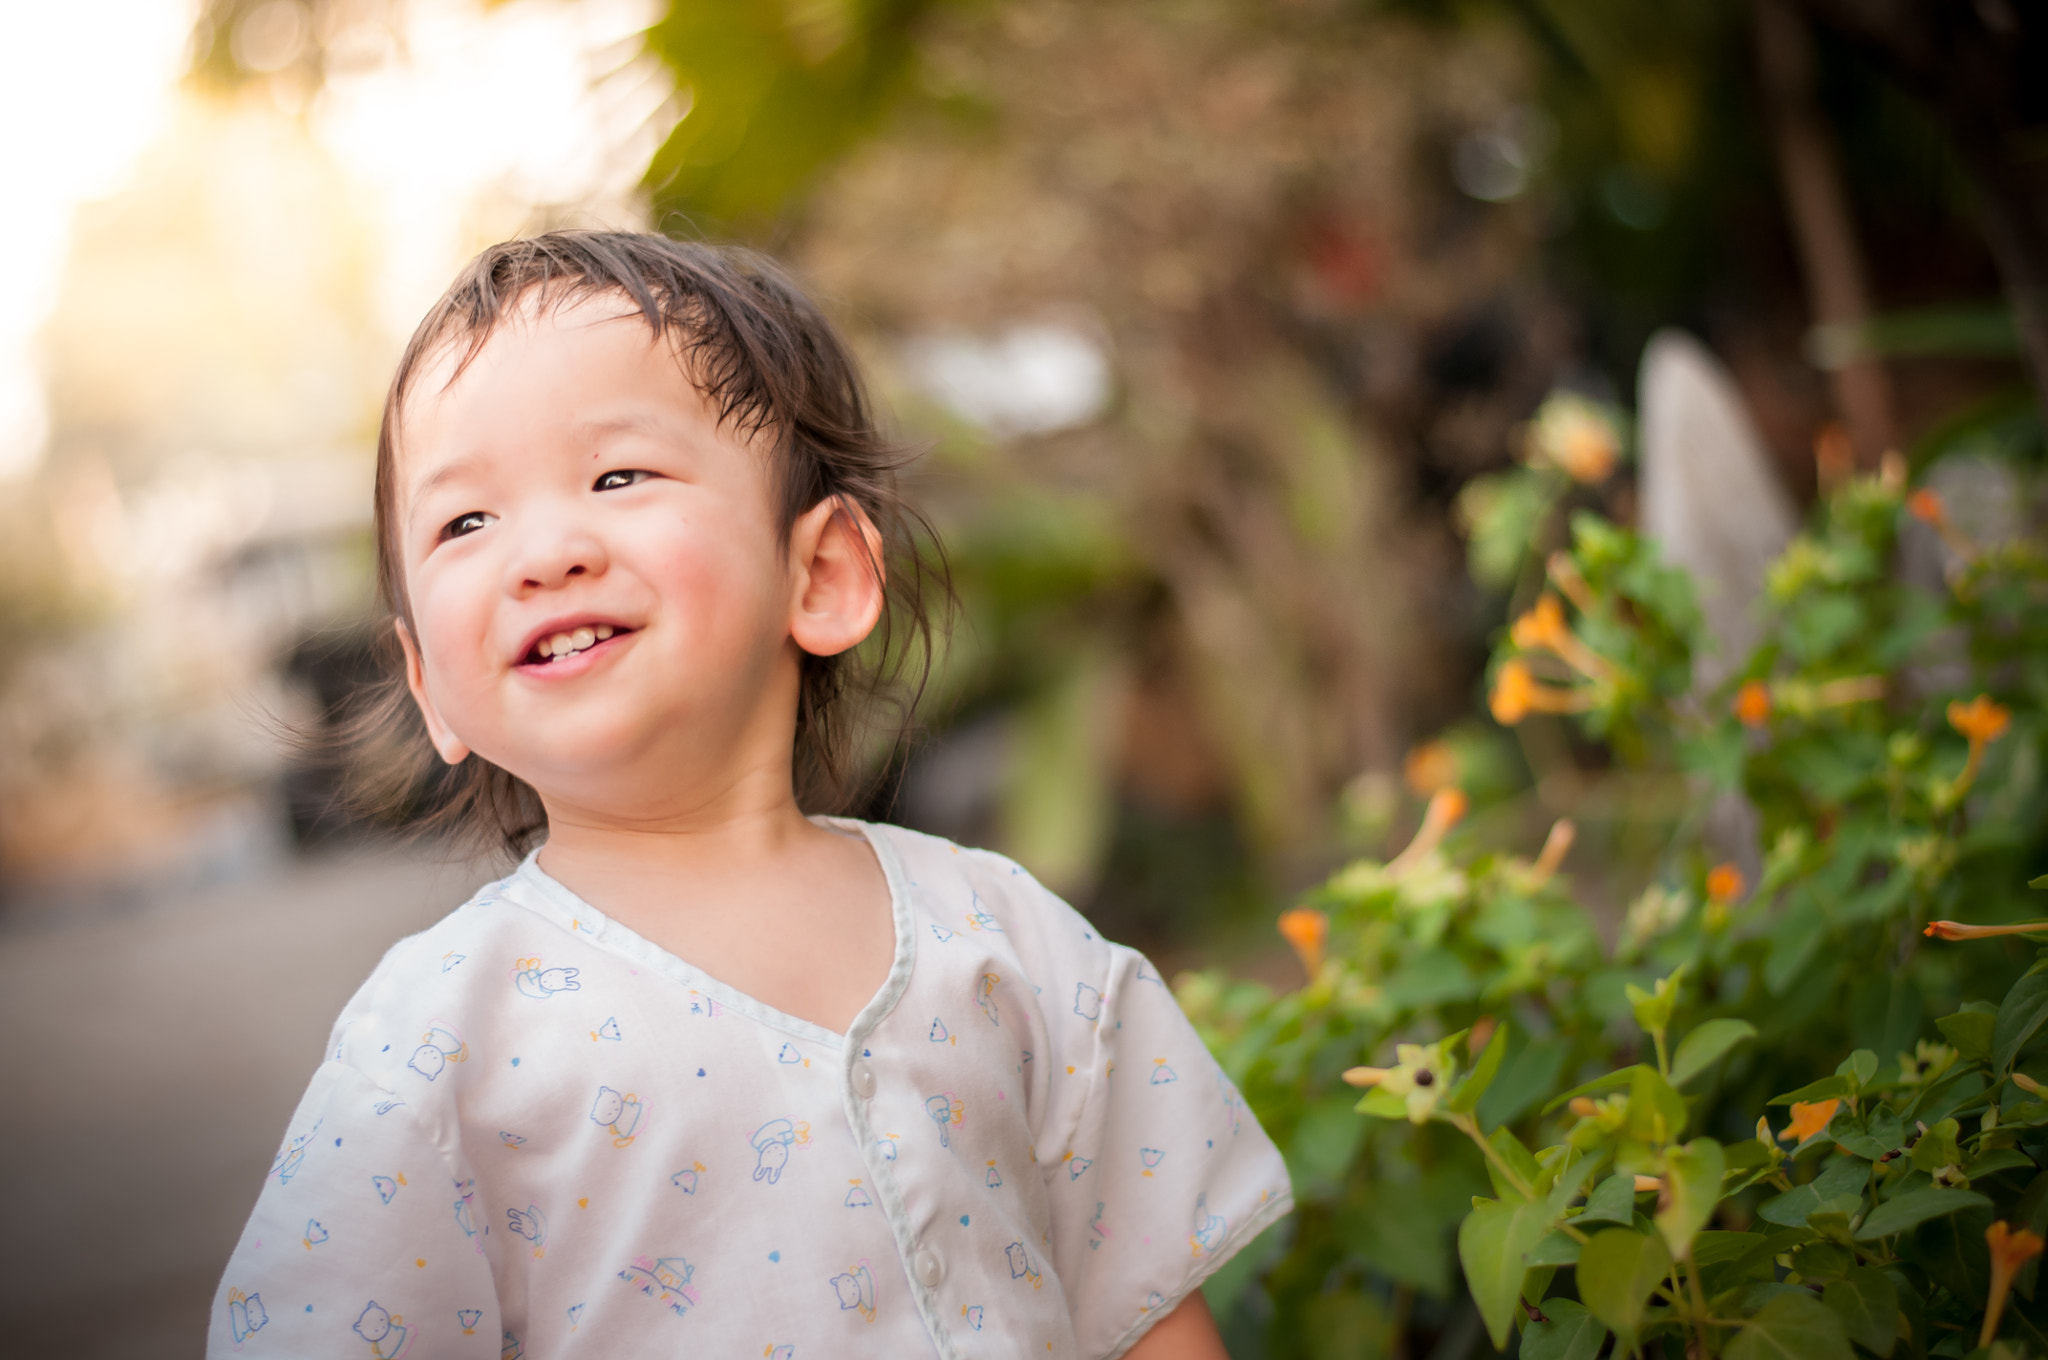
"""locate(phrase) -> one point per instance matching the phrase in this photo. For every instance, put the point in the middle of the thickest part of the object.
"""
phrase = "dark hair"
(771, 365)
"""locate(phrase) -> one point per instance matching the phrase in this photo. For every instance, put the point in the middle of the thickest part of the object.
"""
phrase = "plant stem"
(1663, 1059)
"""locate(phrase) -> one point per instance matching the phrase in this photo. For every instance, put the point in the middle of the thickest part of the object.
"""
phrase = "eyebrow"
(447, 472)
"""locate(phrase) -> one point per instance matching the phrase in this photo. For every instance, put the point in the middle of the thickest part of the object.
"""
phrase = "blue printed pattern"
(601, 1109)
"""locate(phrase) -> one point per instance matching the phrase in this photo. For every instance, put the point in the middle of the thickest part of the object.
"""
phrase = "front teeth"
(575, 640)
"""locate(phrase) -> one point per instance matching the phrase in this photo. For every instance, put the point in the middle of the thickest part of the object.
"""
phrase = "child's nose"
(555, 555)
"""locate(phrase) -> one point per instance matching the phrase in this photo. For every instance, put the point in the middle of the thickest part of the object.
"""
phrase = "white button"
(929, 1269)
(864, 1080)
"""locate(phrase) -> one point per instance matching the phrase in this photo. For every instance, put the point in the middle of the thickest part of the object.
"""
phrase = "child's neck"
(743, 887)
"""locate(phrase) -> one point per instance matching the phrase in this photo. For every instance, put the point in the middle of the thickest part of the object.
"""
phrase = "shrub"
(1889, 737)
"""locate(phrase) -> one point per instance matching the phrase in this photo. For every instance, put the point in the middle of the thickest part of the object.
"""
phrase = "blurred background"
(1221, 323)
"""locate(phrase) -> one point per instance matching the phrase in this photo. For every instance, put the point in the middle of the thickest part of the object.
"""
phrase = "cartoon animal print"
(245, 1315)
(510, 1140)
(788, 1054)
(1233, 1103)
(531, 1225)
(1208, 1233)
(775, 1352)
(1162, 1074)
(316, 1233)
(942, 933)
(994, 1177)
(450, 959)
(1020, 1265)
(541, 983)
(977, 919)
(469, 1317)
(856, 1289)
(1087, 1002)
(386, 1337)
(619, 1113)
(293, 1156)
(944, 1111)
(608, 1030)
(939, 1034)
(858, 1198)
(511, 1348)
(702, 1007)
(386, 1186)
(575, 1316)
(772, 1142)
(885, 1147)
(1145, 974)
(438, 1048)
(973, 1316)
(1151, 1158)
(465, 1192)
(686, 1179)
(1077, 1165)
(1097, 1234)
(987, 997)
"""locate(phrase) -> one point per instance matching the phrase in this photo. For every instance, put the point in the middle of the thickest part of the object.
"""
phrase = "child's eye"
(612, 481)
(465, 524)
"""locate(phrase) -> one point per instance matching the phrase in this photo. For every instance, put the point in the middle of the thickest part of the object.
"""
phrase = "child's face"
(572, 492)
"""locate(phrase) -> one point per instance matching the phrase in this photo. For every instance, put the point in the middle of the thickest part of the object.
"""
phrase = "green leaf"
(1693, 1187)
(1617, 1270)
(1494, 1243)
(1791, 1327)
(1916, 1207)
(1568, 1332)
(1511, 1151)
(1840, 1183)
(1656, 1112)
(1613, 1081)
(2041, 882)
(1558, 1249)
(1827, 1088)
(1868, 1305)
(1970, 1030)
(1474, 1086)
(1858, 1067)
(1383, 1105)
(1612, 1201)
(2021, 1013)
(1937, 1147)
(1705, 1046)
(1999, 1159)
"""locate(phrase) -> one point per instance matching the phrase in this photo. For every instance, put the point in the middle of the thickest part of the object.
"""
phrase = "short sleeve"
(363, 1242)
(1166, 1174)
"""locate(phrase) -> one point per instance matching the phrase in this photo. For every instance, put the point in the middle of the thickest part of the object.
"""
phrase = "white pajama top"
(538, 1134)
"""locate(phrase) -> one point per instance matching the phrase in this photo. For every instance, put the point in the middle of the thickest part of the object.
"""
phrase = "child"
(706, 1076)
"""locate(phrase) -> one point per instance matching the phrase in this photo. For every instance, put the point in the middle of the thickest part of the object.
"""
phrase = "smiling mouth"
(571, 642)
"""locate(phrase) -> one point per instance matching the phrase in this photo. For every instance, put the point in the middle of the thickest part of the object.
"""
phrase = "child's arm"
(364, 1240)
(1187, 1333)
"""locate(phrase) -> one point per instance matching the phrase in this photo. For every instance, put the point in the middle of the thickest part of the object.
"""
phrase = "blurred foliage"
(1890, 735)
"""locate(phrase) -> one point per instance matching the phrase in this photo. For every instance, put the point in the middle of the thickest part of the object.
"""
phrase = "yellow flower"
(1724, 883)
(1753, 704)
(2009, 1251)
(1420, 1078)
(1926, 1062)
(1809, 1119)
(1306, 930)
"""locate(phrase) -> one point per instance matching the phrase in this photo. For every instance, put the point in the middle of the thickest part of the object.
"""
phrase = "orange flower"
(1925, 505)
(1808, 1119)
(1981, 720)
(1753, 704)
(1956, 930)
(1542, 626)
(1446, 809)
(1429, 767)
(1556, 846)
(1306, 930)
(1517, 694)
(1724, 883)
(2009, 1251)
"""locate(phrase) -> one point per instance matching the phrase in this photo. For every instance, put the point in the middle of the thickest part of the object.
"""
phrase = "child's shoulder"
(436, 989)
(990, 891)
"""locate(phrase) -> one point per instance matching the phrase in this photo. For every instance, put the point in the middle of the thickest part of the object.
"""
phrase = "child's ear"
(445, 741)
(836, 559)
